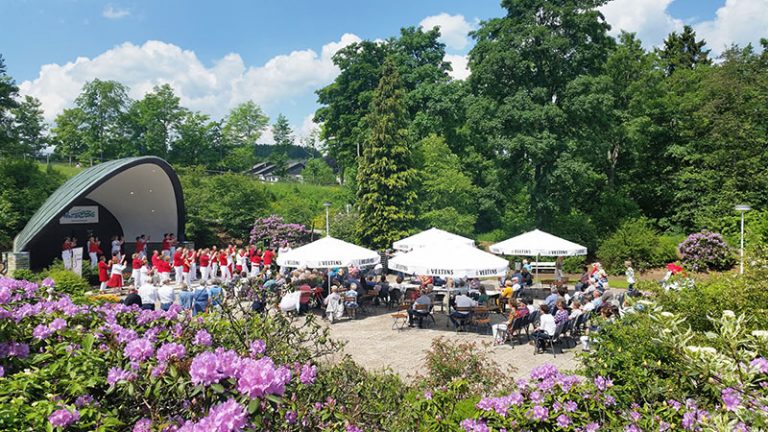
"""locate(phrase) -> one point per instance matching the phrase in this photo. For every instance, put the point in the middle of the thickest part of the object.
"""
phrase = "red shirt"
(185, 266)
(140, 246)
(268, 255)
(178, 259)
(166, 244)
(66, 246)
(164, 266)
(222, 259)
(204, 260)
(255, 258)
(103, 271)
(93, 247)
(156, 261)
(136, 264)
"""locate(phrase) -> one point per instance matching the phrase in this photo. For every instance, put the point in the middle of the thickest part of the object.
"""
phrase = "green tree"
(244, 125)
(194, 145)
(446, 195)
(153, 122)
(104, 104)
(683, 51)
(386, 175)
(282, 133)
(69, 135)
(8, 94)
(29, 127)
(317, 172)
(418, 55)
(521, 66)
(723, 162)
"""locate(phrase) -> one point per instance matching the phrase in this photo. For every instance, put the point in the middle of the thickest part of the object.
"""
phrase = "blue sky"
(275, 52)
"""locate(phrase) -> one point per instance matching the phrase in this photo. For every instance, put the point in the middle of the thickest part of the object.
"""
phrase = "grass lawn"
(64, 169)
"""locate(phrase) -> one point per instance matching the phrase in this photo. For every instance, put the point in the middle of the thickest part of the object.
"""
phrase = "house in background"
(266, 171)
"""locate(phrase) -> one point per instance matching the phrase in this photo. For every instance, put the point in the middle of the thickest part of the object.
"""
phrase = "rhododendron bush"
(67, 366)
(112, 367)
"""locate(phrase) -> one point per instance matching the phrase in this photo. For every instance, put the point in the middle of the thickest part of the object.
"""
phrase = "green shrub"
(90, 274)
(642, 371)
(68, 282)
(637, 241)
(25, 274)
(447, 362)
(574, 264)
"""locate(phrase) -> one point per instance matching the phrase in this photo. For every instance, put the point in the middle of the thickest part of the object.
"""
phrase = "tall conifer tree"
(386, 175)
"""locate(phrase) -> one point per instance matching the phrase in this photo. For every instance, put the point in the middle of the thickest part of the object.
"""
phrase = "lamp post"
(743, 208)
(327, 219)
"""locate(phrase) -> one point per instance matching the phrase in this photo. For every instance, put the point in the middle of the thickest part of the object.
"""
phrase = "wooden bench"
(543, 265)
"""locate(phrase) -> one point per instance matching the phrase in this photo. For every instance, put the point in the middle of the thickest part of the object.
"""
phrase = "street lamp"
(743, 208)
(327, 219)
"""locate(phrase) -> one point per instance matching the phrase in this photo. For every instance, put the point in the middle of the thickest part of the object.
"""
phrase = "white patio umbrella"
(429, 237)
(329, 252)
(538, 243)
(449, 259)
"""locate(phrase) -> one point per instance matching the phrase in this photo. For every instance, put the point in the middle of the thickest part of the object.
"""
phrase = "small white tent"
(538, 243)
(328, 252)
(449, 259)
(429, 237)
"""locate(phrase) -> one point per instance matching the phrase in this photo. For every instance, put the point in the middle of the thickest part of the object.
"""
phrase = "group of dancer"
(185, 265)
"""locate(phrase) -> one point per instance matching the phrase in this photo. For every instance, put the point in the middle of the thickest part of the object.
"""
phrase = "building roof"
(88, 181)
(267, 168)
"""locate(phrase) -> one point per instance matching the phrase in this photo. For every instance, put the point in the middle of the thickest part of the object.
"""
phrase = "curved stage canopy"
(128, 197)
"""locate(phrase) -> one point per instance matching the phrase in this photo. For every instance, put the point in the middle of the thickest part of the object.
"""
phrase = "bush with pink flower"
(706, 250)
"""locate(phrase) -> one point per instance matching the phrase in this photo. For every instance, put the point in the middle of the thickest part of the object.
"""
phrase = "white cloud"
(111, 12)
(213, 90)
(648, 18)
(738, 21)
(454, 29)
(459, 65)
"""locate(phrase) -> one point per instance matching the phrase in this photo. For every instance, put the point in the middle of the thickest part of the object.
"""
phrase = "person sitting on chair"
(457, 316)
(545, 329)
(334, 306)
(426, 302)
(350, 300)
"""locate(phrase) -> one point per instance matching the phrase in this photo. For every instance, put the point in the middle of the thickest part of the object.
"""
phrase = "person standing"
(136, 270)
(186, 265)
(255, 261)
(103, 273)
(214, 263)
(226, 275)
(269, 255)
(192, 258)
(630, 274)
(66, 253)
(178, 265)
(94, 250)
(204, 262)
(116, 275)
(117, 244)
(166, 245)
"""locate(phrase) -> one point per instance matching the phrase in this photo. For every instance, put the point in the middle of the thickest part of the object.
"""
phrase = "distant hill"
(263, 151)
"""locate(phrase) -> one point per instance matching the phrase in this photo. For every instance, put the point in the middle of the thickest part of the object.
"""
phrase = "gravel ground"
(372, 343)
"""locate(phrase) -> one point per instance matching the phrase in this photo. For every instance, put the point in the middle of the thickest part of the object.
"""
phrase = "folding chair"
(480, 317)
(464, 319)
(351, 311)
(552, 339)
(400, 318)
(515, 329)
(423, 311)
